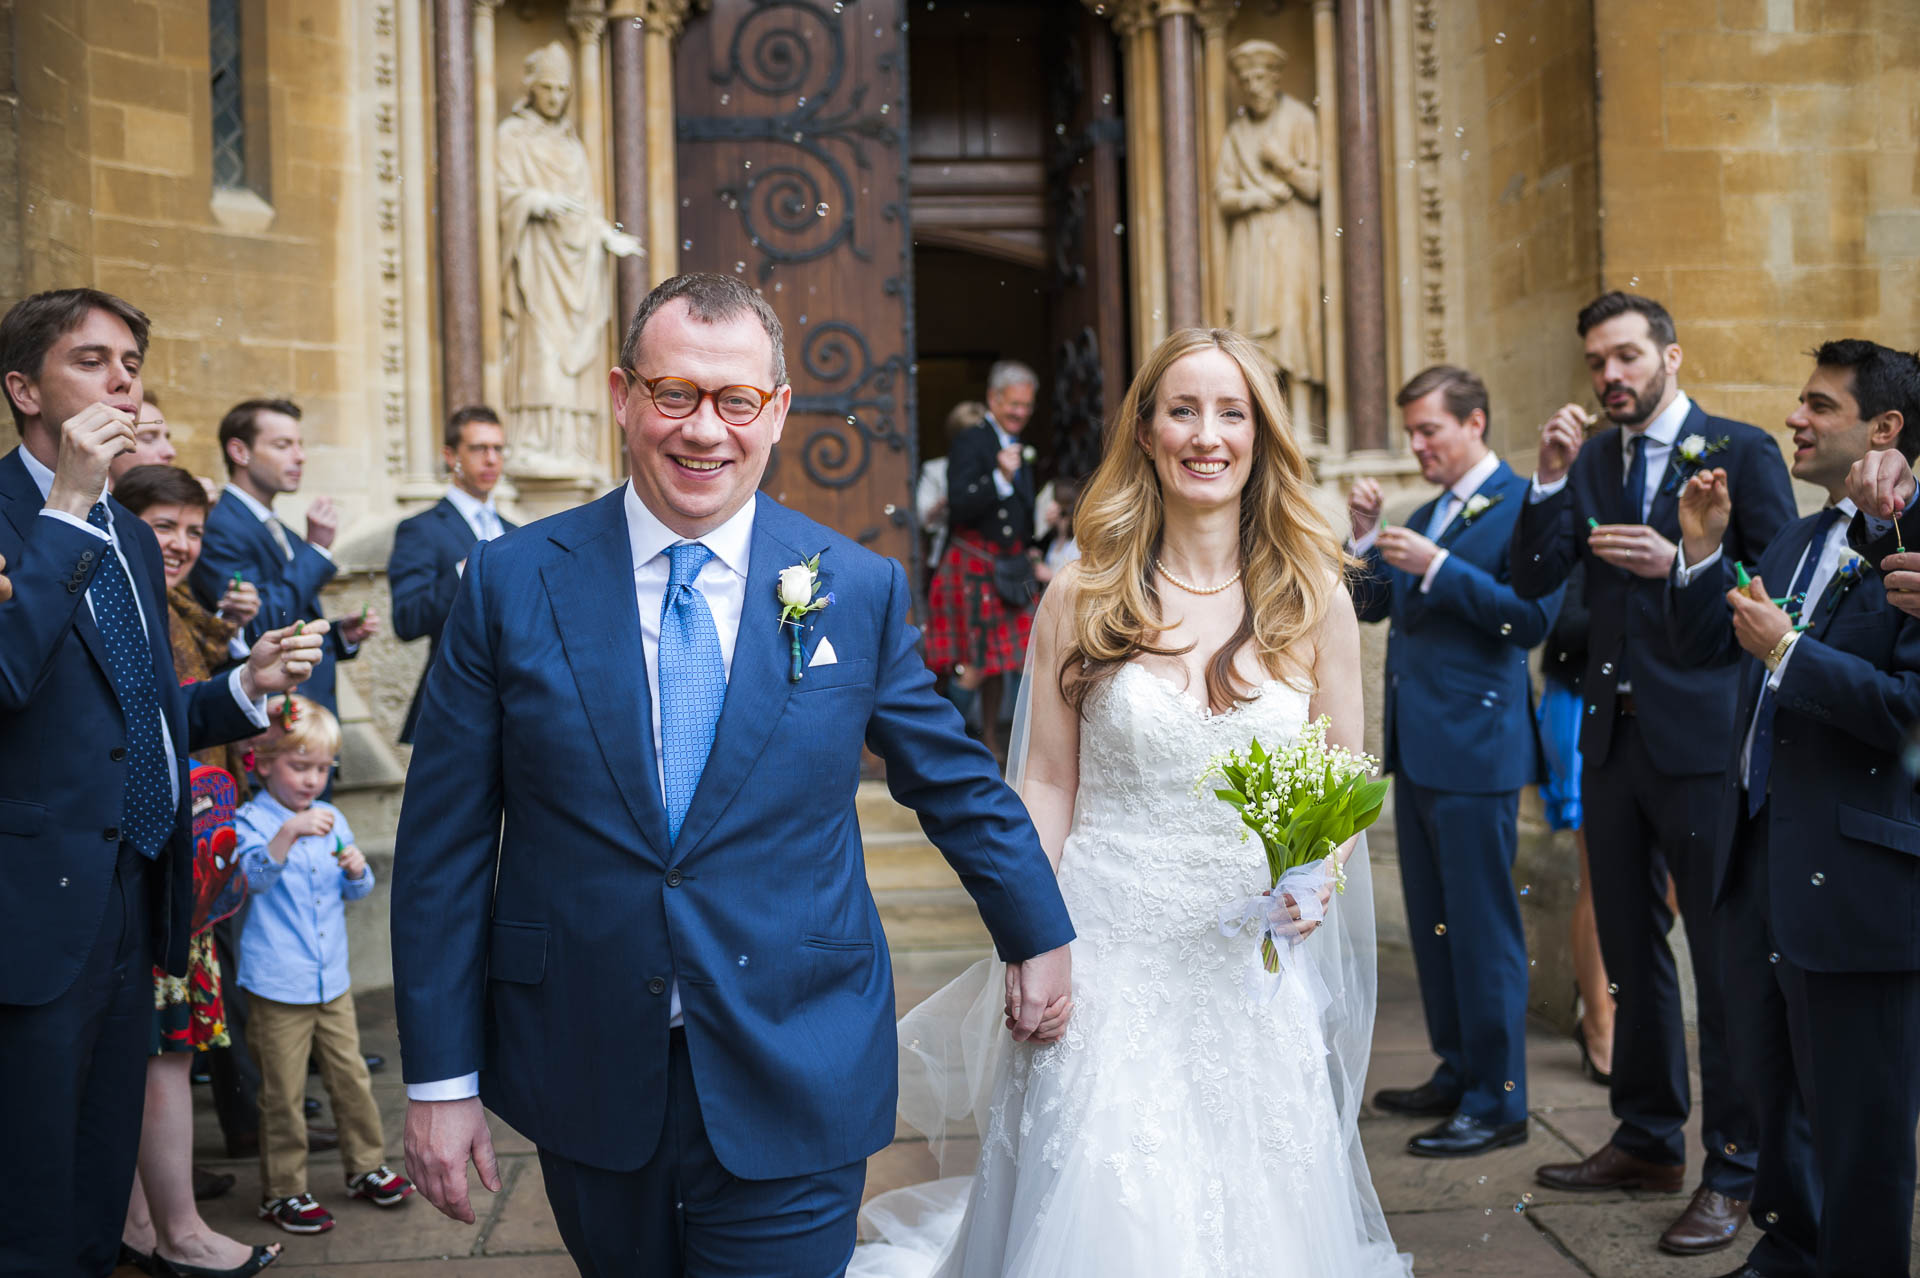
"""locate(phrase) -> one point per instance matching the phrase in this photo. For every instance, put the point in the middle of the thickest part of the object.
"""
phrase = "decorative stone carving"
(556, 281)
(1267, 183)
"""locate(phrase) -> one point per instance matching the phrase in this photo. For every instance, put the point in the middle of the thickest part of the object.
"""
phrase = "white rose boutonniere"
(799, 593)
(1478, 505)
(1691, 454)
(1694, 448)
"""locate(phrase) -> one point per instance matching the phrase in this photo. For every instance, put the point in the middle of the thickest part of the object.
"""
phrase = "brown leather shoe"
(321, 1139)
(1709, 1223)
(1611, 1167)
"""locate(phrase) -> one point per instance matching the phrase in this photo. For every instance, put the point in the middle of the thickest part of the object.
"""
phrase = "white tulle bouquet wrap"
(1304, 800)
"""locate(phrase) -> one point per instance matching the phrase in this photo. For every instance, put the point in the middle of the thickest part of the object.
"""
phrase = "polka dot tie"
(147, 820)
(693, 681)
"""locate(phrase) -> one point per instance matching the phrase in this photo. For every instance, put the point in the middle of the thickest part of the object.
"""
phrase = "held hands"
(323, 522)
(89, 441)
(241, 603)
(281, 660)
(441, 1137)
(1364, 503)
(1706, 506)
(1881, 484)
(6, 586)
(1635, 547)
(1758, 622)
(1406, 550)
(1560, 442)
(1040, 996)
(361, 627)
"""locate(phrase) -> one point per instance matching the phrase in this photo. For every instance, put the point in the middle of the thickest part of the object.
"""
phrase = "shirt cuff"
(445, 1089)
(1001, 484)
(81, 524)
(1684, 572)
(239, 648)
(1773, 679)
(255, 710)
(1433, 570)
(323, 552)
(1361, 545)
(1540, 492)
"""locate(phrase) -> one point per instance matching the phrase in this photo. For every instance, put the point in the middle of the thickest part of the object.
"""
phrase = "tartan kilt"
(968, 623)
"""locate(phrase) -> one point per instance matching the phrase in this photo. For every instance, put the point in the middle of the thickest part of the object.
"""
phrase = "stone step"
(931, 919)
(905, 861)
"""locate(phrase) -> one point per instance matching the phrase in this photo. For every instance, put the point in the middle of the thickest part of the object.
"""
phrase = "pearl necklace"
(1192, 589)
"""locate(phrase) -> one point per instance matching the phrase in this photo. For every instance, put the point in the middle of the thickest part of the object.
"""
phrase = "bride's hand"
(1293, 910)
(1053, 1024)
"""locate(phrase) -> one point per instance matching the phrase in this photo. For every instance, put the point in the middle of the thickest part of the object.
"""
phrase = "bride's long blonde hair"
(1291, 559)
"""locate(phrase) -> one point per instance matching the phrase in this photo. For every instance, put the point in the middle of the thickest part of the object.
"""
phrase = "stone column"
(461, 360)
(664, 19)
(589, 24)
(423, 438)
(626, 40)
(1214, 16)
(1363, 242)
(1333, 326)
(486, 119)
(1146, 228)
(1182, 174)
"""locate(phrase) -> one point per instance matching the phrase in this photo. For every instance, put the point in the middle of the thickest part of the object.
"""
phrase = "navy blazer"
(1686, 712)
(63, 745)
(236, 542)
(974, 502)
(1843, 824)
(1459, 709)
(541, 913)
(423, 579)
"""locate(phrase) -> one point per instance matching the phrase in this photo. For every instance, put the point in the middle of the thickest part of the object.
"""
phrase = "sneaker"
(299, 1214)
(383, 1187)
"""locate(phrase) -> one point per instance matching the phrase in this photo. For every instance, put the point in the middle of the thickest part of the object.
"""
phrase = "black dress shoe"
(141, 1260)
(310, 1107)
(1424, 1101)
(1461, 1136)
(1744, 1271)
(210, 1185)
(375, 1062)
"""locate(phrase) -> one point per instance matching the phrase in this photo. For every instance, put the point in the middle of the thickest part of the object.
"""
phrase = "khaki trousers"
(281, 1037)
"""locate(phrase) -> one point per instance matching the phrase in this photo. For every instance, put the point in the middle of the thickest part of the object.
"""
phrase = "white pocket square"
(823, 655)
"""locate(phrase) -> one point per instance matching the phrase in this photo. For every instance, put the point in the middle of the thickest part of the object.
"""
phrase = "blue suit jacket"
(1840, 804)
(1459, 709)
(63, 744)
(1686, 713)
(236, 542)
(540, 911)
(422, 578)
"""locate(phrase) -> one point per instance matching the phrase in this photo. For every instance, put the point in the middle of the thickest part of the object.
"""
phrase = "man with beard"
(1656, 741)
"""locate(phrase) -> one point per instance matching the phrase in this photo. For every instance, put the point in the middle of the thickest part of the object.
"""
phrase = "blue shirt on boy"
(294, 946)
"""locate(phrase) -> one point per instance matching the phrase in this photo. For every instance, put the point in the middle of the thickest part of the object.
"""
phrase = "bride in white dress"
(1182, 1120)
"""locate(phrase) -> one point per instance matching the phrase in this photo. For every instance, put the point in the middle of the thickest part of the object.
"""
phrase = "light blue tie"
(1438, 523)
(693, 681)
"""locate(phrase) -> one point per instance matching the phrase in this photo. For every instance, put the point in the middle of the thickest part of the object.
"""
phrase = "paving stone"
(1616, 1239)
(1471, 1244)
(1406, 1183)
(523, 1222)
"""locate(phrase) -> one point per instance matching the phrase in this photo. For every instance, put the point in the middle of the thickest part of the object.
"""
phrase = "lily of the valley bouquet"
(1304, 799)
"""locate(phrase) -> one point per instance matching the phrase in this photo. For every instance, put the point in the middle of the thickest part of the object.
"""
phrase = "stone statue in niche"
(1268, 186)
(556, 284)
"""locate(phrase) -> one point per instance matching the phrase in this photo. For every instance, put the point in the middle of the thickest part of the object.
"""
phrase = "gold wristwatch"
(1779, 653)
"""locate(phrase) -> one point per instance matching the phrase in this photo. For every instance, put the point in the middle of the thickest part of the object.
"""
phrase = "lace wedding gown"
(1187, 1123)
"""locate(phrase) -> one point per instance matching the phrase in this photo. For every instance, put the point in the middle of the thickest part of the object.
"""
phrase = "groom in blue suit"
(1460, 744)
(631, 907)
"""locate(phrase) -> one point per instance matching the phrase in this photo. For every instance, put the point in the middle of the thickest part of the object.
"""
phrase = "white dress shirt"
(1451, 504)
(723, 581)
(256, 711)
(1001, 484)
(480, 515)
(1824, 567)
(1662, 433)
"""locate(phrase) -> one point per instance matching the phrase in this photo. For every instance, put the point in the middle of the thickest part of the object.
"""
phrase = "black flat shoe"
(1424, 1101)
(261, 1258)
(141, 1260)
(1461, 1137)
(1587, 1066)
(210, 1185)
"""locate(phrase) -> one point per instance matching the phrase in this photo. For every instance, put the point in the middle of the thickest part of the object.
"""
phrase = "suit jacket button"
(656, 986)
(111, 834)
(1003, 512)
(673, 878)
(86, 557)
(117, 753)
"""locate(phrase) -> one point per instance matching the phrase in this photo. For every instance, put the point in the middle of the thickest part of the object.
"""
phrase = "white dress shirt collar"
(731, 543)
(262, 513)
(470, 508)
(1476, 477)
(1664, 429)
(1006, 440)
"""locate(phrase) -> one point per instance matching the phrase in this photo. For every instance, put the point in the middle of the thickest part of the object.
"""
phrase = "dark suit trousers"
(1456, 866)
(72, 1086)
(683, 1215)
(1828, 1061)
(1641, 826)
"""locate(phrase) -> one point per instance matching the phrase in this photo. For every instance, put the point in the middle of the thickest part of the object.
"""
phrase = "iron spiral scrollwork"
(858, 405)
(1079, 404)
(802, 207)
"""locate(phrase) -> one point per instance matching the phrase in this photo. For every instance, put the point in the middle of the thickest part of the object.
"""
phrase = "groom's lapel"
(757, 686)
(591, 591)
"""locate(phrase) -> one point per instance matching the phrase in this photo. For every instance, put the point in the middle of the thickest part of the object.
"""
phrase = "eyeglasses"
(677, 397)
